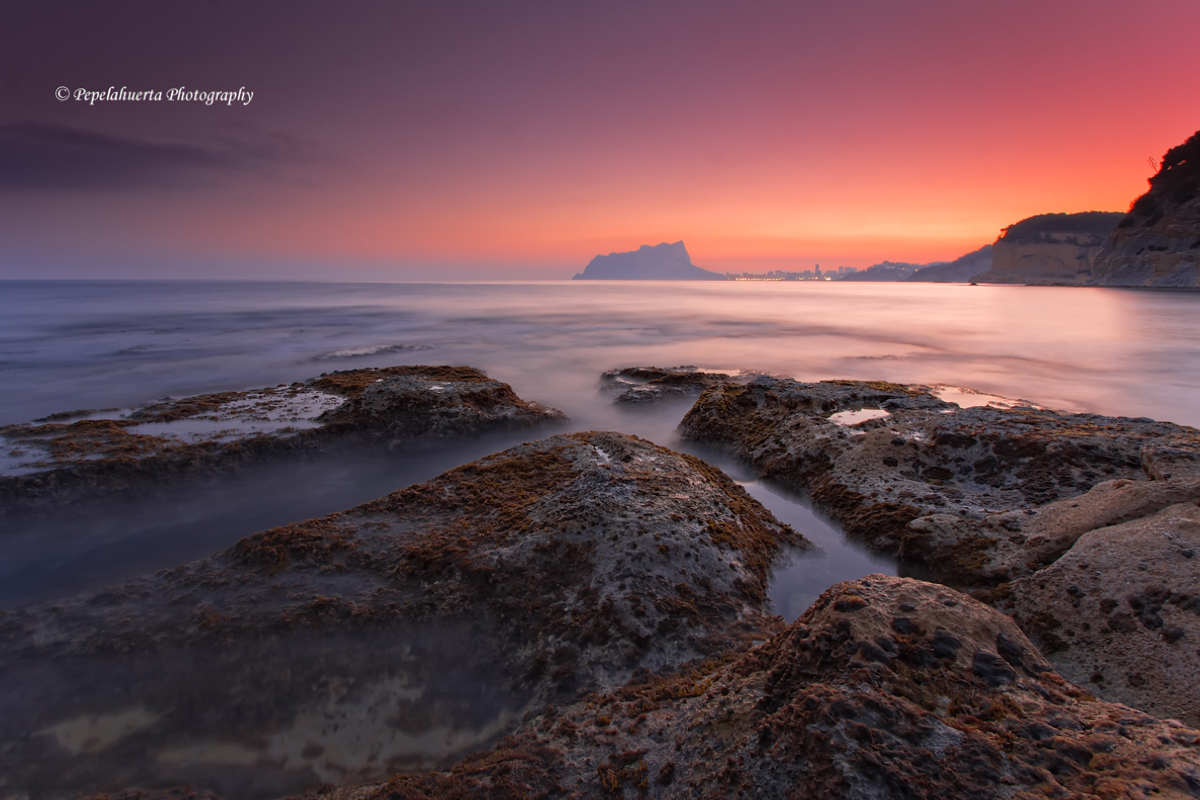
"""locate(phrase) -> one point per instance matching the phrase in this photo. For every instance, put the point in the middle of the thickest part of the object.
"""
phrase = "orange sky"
(390, 142)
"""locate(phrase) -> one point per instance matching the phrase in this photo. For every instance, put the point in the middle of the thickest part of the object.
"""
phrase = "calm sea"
(77, 345)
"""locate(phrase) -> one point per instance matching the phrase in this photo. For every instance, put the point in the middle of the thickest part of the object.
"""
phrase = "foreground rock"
(885, 688)
(651, 385)
(1157, 244)
(1120, 612)
(67, 454)
(992, 497)
(399, 634)
(979, 495)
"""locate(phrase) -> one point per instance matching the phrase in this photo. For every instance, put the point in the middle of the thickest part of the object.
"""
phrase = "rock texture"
(399, 634)
(1158, 242)
(885, 688)
(1058, 249)
(651, 385)
(662, 262)
(1120, 612)
(979, 495)
(1045, 508)
(60, 457)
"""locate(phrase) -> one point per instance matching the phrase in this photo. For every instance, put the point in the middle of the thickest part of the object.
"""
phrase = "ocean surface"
(90, 345)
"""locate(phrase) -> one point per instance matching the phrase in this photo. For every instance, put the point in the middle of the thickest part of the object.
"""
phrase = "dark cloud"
(41, 156)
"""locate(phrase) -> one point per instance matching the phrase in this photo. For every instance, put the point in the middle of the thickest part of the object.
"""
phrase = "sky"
(516, 140)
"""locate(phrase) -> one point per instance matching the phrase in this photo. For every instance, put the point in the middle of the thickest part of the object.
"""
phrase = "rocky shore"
(587, 615)
(885, 688)
(396, 635)
(1084, 526)
(73, 454)
(652, 385)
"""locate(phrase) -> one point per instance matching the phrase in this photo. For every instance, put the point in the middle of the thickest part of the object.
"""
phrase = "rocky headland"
(997, 499)
(68, 455)
(661, 262)
(1157, 244)
(1050, 249)
(961, 270)
(397, 635)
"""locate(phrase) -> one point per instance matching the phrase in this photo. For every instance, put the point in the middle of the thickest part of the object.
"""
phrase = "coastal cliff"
(662, 262)
(1158, 241)
(1053, 249)
(961, 270)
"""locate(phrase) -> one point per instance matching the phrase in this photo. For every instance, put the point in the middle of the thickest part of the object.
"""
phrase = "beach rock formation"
(978, 495)
(650, 385)
(62, 456)
(1120, 612)
(963, 269)
(886, 688)
(1057, 249)
(662, 262)
(1048, 515)
(399, 634)
(1158, 242)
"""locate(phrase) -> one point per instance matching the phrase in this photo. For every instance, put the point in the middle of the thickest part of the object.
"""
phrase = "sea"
(67, 346)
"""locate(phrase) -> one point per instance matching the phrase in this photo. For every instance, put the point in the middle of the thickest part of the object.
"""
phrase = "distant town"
(782, 275)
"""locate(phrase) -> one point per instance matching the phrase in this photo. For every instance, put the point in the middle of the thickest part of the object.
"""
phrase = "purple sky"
(393, 141)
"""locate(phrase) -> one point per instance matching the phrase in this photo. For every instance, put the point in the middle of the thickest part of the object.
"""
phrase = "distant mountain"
(887, 271)
(662, 262)
(960, 270)
(1158, 242)
(1054, 249)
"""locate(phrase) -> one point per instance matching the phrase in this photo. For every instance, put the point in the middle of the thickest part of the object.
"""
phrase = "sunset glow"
(519, 140)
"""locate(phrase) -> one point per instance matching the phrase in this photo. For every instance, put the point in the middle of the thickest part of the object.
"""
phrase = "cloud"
(53, 157)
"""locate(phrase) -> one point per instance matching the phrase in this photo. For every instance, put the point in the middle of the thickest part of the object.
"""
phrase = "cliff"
(1158, 241)
(1050, 248)
(662, 262)
(961, 270)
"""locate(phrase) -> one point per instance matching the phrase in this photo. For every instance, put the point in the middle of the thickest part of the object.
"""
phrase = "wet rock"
(812, 712)
(61, 457)
(399, 634)
(1122, 620)
(978, 495)
(647, 385)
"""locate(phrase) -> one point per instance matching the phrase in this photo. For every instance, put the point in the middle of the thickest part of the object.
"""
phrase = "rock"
(649, 385)
(977, 495)
(425, 622)
(886, 688)
(1120, 612)
(1158, 242)
(61, 457)
(961, 270)
(662, 262)
(1050, 248)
